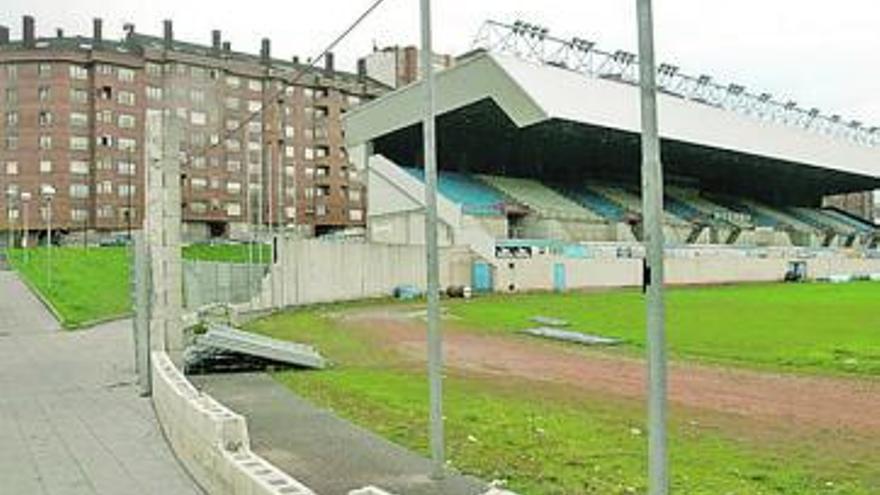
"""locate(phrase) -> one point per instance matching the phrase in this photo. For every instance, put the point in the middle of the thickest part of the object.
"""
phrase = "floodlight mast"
(435, 342)
(652, 205)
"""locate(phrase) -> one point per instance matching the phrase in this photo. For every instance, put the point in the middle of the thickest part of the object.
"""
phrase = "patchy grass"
(810, 327)
(92, 284)
(551, 439)
(87, 284)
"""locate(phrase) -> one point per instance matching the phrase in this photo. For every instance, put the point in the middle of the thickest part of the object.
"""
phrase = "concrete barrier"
(212, 441)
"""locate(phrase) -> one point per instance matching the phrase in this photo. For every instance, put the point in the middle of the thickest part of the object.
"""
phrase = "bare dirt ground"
(809, 401)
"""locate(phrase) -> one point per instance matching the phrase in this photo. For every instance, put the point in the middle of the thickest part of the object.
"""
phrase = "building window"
(11, 96)
(11, 142)
(45, 166)
(233, 145)
(11, 168)
(105, 187)
(79, 119)
(126, 121)
(125, 75)
(233, 209)
(12, 214)
(106, 140)
(11, 119)
(355, 215)
(79, 214)
(79, 143)
(125, 98)
(79, 95)
(79, 191)
(126, 168)
(199, 162)
(353, 100)
(197, 73)
(105, 69)
(232, 103)
(255, 85)
(11, 72)
(45, 142)
(44, 118)
(154, 93)
(127, 213)
(198, 118)
(126, 190)
(290, 211)
(197, 96)
(198, 207)
(79, 167)
(104, 162)
(354, 195)
(321, 210)
(233, 81)
(181, 69)
(289, 151)
(198, 183)
(153, 69)
(127, 144)
(288, 131)
(44, 70)
(43, 93)
(254, 105)
(233, 165)
(105, 211)
(233, 187)
(79, 72)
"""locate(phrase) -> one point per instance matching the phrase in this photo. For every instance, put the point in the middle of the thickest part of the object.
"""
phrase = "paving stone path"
(71, 420)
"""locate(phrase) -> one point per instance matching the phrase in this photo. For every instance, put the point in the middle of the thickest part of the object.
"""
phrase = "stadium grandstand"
(538, 149)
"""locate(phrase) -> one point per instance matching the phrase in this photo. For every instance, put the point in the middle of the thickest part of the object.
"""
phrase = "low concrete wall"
(206, 282)
(212, 441)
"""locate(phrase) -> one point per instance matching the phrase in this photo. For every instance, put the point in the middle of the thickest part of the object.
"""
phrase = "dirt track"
(824, 402)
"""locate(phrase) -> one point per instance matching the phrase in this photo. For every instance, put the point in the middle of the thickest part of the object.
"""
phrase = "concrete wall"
(316, 271)
(212, 441)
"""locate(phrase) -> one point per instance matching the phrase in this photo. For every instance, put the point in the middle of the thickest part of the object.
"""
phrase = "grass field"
(818, 327)
(93, 284)
(545, 438)
(87, 284)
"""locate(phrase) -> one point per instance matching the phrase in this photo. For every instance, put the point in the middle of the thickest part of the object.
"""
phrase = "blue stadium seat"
(681, 209)
(475, 196)
(597, 203)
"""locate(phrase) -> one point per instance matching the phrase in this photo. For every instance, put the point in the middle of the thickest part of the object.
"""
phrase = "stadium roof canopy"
(502, 115)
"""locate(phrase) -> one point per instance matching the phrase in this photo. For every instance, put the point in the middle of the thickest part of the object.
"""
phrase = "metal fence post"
(652, 204)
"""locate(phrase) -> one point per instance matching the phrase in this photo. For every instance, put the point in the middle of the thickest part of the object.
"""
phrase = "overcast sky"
(818, 53)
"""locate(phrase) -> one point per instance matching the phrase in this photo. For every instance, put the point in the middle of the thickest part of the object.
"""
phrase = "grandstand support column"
(652, 205)
(435, 341)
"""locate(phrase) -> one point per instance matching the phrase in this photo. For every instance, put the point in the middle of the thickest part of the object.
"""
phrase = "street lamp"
(25, 200)
(48, 193)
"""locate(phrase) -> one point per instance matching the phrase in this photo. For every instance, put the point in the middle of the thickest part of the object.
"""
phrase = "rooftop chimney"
(59, 33)
(295, 59)
(362, 69)
(27, 30)
(227, 46)
(215, 40)
(266, 49)
(169, 33)
(128, 27)
(328, 62)
(4, 35)
(97, 30)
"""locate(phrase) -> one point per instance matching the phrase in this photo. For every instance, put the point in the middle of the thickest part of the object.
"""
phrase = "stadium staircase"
(832, 227)
(475, 197)
(608, 209)
(544, 201)
(448, 212)
(870, 233)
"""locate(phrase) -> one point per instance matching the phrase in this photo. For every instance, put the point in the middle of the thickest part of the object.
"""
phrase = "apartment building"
(261, 138)
(397, 66)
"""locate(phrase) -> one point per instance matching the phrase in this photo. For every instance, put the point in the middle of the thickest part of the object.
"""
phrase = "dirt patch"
(826, 402)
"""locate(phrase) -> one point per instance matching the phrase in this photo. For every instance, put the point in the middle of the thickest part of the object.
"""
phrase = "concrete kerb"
(211, 440)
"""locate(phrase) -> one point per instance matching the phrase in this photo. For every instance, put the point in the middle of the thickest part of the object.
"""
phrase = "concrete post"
(163, 232)
(142, 288)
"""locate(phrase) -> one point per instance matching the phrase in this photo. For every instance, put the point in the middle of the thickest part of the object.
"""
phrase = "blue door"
(559, 277)
(481, 276)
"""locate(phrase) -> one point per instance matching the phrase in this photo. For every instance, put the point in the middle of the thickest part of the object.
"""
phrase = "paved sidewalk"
(71, 420)
(328, 454)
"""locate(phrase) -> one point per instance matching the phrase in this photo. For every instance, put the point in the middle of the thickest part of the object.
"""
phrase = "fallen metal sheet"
(568, 336)
(549, 321)
(224, 338)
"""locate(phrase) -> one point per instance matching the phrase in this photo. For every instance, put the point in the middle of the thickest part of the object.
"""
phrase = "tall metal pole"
(652, 204)
(435, 341)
